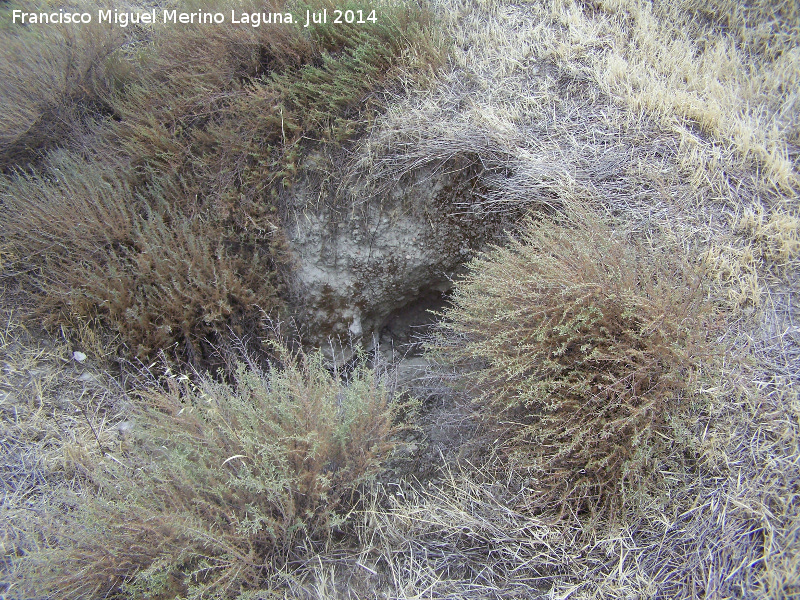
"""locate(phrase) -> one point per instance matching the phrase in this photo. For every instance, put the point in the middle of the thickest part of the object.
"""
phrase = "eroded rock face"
(356, 267)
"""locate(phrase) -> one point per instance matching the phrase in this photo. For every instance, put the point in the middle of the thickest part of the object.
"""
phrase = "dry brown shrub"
(156, 274)
(576, 346)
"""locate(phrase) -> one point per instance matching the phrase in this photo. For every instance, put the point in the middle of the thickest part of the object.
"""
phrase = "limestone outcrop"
(355, 269)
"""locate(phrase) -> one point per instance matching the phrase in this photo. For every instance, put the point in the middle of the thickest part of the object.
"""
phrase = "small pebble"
(78, 356)
(124, 428)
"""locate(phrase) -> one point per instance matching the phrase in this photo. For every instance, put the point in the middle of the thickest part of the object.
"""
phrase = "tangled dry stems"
(576, 347)
(217, 487)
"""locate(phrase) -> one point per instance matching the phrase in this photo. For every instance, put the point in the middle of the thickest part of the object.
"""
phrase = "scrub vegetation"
(218, 487)
(145, 177)
(620, 375)
(577, 349)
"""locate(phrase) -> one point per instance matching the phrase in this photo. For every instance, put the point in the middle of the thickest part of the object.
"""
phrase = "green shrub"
(218, 486)
(576, 346)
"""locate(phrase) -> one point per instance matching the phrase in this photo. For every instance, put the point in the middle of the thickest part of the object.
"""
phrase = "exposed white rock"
(353, 268)
(356, 331)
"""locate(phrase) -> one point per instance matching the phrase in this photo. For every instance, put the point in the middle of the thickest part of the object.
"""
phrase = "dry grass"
(533, 98)
(726, 85)
(55, 415)
(677, 116)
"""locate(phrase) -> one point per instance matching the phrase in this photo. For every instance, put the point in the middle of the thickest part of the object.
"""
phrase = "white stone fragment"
(355, 327)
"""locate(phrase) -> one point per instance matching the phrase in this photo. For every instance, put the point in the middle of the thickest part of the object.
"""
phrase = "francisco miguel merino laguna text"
(199, 17)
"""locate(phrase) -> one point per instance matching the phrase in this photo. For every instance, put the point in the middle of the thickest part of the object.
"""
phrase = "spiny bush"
(576, 347)
(218, 486)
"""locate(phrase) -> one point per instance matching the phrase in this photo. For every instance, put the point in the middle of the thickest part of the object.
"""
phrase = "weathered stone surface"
(356, 267)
